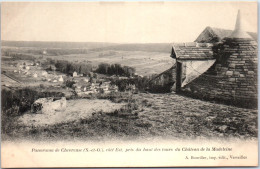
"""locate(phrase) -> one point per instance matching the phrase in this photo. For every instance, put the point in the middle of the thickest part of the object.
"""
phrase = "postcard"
(129, 84)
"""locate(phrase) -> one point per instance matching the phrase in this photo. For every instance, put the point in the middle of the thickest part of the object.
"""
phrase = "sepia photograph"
(129, 84)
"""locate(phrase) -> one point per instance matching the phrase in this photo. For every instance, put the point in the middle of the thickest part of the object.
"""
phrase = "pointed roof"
(239, 31)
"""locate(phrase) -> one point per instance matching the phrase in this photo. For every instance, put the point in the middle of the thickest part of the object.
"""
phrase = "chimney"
(238, 31)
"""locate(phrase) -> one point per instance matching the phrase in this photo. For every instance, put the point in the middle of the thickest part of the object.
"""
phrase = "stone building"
(225, 70)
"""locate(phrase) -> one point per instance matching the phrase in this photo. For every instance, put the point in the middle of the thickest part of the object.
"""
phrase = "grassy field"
(147, 59)
(149, 116)
(145, 63)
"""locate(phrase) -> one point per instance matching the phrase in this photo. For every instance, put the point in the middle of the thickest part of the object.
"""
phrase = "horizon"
(120, 22)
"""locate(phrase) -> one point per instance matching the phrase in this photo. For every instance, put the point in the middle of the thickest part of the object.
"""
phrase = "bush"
(69, 83)
(115, 69)
(23, 99)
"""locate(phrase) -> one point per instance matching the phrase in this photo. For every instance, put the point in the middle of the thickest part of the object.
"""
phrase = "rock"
(229, 73)
(38, 104)
(223, 128)
(47, 105)
(57, 105)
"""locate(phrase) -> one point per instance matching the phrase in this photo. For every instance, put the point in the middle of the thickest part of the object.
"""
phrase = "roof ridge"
(193, 44)
(226, 29)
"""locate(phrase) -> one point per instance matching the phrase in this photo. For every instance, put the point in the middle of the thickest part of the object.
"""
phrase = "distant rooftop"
(211, 35)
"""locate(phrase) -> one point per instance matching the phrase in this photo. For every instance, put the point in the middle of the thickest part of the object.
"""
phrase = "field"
(145, 63)
(147, 59)
(152, 116)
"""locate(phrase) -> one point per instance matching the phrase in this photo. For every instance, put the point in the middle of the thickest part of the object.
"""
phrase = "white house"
(35, 75)
(75, 74)
(44, 73)
(61, 79)
(86, 79)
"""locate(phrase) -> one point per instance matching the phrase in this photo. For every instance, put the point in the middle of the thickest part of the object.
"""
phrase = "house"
(131, 87)
(35, 75)
(61, 79)
(192, 59)
(44, 73)
(105, 88)
(225, 71)
(75, 74)
(84, 88)
(113, 88)
(86, 79)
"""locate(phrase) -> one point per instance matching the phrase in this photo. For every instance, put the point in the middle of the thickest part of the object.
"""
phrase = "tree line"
(69, 67)
(115, 69)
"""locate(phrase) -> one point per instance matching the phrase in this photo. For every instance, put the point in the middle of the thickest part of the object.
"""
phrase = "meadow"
(147, 59)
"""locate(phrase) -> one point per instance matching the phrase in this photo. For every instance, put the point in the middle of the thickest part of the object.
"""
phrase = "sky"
(120, 22)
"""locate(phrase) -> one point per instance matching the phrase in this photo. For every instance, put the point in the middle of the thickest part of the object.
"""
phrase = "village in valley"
(32, 74)
(201, 89)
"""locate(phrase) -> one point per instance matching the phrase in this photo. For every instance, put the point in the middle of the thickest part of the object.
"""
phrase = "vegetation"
(115, 69)
(149, 115)
(19, 56)
(68, 67)
(22, 99)
(69, 83)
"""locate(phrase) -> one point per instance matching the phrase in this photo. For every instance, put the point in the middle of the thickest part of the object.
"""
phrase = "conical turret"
(239, 31)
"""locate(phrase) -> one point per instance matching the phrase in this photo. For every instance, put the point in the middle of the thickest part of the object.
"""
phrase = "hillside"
(148, 47)
(147, 59)
(55, 45)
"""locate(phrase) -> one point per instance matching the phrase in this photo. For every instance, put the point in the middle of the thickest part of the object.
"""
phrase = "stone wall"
(163, 82)
(233, 78)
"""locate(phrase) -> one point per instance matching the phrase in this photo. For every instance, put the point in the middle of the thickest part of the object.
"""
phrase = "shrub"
(69, 83)
(115, 69)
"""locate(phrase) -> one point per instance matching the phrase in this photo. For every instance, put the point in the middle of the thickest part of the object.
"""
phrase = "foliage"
(69, 83)
(115, 69)
(69, 67)
(19, 56)
(141, 83)
(22, 99)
